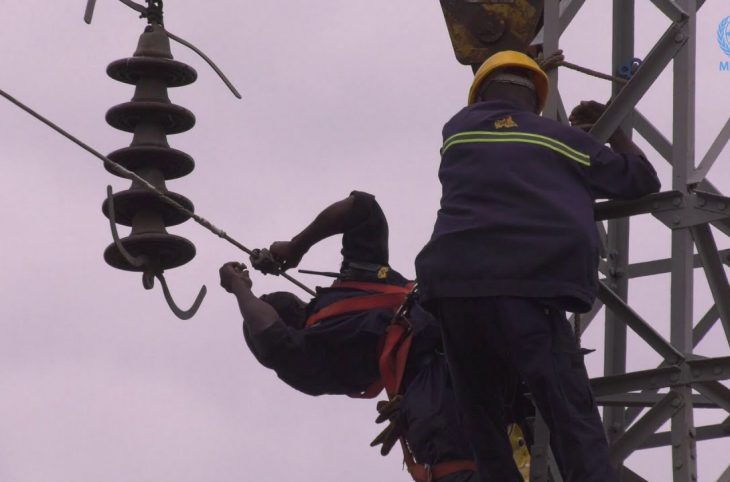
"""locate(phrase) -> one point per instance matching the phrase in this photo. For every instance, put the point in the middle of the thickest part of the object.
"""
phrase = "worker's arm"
(257, 315)
(272, 342)
(588, 112)
(622, 144)
(335, 219)
(621, 172)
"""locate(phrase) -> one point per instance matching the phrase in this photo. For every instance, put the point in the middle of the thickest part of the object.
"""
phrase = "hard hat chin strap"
(506, 78)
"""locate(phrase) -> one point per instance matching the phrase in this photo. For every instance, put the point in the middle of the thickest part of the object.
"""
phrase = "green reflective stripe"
(544, 141)
(524, 137)
(579, 160)
(518, 133)
(473, 137)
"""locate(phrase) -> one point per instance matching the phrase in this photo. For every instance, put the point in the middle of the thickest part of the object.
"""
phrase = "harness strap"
(387, 297)
(376, 287)
(358, 303)
(426, 473)
(393, 357)
(370, 392)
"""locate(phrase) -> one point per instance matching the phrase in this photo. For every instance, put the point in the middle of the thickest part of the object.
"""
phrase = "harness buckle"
(401, 314)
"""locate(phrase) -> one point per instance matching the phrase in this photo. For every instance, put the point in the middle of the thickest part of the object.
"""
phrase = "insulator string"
(126, 173)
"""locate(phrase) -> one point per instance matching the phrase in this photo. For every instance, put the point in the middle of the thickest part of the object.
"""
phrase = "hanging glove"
(262, 260)
(390, 411)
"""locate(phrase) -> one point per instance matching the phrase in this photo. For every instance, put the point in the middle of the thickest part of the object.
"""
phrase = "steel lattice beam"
(688, 208)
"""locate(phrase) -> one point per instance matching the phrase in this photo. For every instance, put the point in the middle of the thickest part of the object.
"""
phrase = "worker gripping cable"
(344, 341)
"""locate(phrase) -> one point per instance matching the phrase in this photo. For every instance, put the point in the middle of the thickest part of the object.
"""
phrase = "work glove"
(262, 260)
(390, 411)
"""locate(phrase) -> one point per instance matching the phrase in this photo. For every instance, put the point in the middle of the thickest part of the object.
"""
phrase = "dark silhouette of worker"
(513, 248)
(339, 354)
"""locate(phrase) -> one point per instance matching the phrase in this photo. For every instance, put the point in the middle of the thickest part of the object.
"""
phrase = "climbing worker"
(342, 341)
(513, 248)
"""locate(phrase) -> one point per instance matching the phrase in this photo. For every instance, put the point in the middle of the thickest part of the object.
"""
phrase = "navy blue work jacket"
(338, 355)
(516, 215)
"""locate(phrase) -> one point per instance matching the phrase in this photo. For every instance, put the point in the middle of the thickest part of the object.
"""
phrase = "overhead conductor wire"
(126, 173)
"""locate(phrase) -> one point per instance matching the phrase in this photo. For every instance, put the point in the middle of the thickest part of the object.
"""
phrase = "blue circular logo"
(723, 35)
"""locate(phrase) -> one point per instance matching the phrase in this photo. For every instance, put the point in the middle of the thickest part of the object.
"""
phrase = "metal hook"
(182, 314)
(150, 272)
(135, 261)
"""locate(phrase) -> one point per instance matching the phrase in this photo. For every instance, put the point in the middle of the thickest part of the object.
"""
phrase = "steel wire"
(126, 173)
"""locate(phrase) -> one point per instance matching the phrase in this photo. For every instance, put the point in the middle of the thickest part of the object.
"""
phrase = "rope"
(557, 59)
(126, 173)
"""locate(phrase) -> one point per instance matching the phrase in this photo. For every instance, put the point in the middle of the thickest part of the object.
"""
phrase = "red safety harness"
(392, 358)
(384, 297)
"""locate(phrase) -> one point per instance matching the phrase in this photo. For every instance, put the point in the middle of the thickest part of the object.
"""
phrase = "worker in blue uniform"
(513, 248)
(339, 354)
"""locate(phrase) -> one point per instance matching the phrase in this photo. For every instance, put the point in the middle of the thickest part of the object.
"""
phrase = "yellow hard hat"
(506, 59)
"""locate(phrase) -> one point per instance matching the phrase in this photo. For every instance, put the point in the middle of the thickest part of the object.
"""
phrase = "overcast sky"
(98, 380)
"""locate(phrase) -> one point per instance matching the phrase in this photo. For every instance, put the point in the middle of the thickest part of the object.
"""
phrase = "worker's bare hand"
(286, 253)
(234, 272)
(547, 62)
(585, 114)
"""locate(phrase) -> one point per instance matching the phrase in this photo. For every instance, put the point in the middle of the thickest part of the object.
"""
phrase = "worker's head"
(291, 309)
(513, 76)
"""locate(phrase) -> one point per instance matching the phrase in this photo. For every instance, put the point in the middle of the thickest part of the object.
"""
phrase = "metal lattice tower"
(637, 404)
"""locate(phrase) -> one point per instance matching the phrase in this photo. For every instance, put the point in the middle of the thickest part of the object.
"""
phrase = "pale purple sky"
(98, 380)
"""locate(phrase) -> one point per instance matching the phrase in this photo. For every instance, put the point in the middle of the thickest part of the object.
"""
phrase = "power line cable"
(126, 173)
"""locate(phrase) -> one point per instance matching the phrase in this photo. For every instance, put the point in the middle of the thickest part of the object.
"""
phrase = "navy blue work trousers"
(487, 342)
